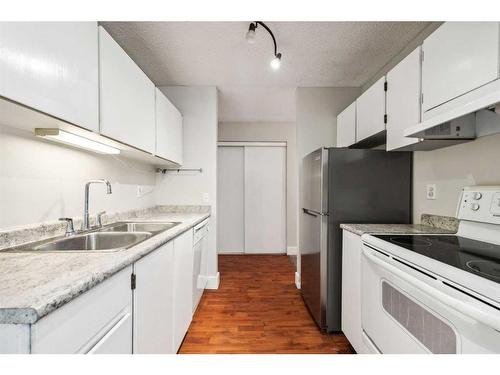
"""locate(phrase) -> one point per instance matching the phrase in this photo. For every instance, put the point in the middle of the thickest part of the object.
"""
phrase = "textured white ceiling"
(319, 54)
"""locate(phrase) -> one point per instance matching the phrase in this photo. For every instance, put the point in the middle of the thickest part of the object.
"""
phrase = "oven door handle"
(456, 304)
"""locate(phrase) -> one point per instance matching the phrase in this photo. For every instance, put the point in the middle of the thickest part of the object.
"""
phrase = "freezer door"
(313, 181)
(313, 234)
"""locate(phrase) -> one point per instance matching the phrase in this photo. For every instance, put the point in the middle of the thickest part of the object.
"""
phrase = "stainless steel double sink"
(112, 237)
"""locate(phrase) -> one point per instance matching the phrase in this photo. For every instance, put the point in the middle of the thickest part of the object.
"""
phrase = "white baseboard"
(291, 250)
(297, 280)
(213, 281)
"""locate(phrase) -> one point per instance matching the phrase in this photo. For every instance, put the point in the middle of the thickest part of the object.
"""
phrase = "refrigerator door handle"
(314, 213)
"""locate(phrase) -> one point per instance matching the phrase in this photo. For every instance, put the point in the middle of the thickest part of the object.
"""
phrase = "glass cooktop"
(479, 258)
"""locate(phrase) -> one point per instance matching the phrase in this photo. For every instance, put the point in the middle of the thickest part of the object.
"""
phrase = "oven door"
(407, 310)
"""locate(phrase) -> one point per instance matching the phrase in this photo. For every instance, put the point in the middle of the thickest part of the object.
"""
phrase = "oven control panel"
(480, 203)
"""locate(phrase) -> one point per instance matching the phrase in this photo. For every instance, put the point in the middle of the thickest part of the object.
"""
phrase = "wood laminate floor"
(257, 309)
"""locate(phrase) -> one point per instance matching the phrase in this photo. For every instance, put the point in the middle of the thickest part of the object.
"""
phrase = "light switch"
(431, 191)
(206, 198)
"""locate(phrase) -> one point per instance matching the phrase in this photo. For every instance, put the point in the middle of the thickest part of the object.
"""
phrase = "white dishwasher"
(200, 263)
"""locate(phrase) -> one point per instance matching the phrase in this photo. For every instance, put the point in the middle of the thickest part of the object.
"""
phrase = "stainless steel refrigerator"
(341, 185)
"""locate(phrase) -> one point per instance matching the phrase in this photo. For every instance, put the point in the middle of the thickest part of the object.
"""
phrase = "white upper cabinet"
(403, 100)
(346, 126)
(458, 57)
(169, 136)
(53, 68)
(127, 97)
(370, 111)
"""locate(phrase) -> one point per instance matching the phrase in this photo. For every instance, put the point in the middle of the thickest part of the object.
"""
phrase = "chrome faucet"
(86, 223)
(70, 229)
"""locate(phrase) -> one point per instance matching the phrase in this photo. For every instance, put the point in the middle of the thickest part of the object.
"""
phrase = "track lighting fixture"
(250, 37)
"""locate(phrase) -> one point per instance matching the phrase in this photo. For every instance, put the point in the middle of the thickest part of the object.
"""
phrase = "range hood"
(458, 118)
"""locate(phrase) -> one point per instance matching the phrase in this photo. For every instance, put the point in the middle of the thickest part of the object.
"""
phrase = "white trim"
(297, 280)
(213, 281)
(291, 250)
(251, 144)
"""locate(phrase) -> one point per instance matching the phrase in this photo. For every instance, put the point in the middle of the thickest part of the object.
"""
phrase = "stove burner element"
(411, 241)
(476, 257)
(485, 268)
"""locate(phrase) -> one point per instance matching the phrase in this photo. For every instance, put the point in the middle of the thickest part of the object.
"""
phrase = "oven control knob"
(474, 206)
(477, 195)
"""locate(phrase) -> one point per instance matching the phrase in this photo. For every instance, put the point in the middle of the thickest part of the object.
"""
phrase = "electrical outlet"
(140, 191)
(431, 191)
(206, 198)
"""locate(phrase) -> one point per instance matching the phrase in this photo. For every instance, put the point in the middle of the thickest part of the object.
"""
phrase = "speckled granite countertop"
(32, 284)
(431, 224)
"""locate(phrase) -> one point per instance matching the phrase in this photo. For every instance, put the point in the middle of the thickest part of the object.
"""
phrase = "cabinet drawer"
(118, 340)
(80, 324)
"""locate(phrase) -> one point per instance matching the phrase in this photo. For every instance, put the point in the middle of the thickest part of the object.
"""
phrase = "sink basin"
(153, 228)
(113, 237)
(98, 241)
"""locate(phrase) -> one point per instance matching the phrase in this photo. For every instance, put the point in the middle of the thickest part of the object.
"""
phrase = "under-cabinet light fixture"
(61, 136)
(250, 37)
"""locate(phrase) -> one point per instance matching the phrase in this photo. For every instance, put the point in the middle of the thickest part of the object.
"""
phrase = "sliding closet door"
(265, 200)
(230, 200)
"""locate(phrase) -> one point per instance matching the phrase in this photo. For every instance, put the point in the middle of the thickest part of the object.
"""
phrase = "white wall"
(42, 181)
(198, 106)
(451, 168)
(266, 132)
(316, 122)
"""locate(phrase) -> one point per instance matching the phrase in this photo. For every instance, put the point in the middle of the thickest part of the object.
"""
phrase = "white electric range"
(436, 293)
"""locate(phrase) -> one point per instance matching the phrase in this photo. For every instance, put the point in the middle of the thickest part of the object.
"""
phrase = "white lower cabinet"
(351, 290)
(146, 308)
(117, 340)
(183, 286)
(153, 302)
(98, 321)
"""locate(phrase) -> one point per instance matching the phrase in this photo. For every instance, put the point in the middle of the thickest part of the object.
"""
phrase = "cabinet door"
(458, 57)
(168, 129)
(346, 126)
(403, 100)
(52, 67)
(127, 97)
(118, 340)
(153, 302)
(183, 286)
(370, 111)
(80, 324)
(351, 289)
